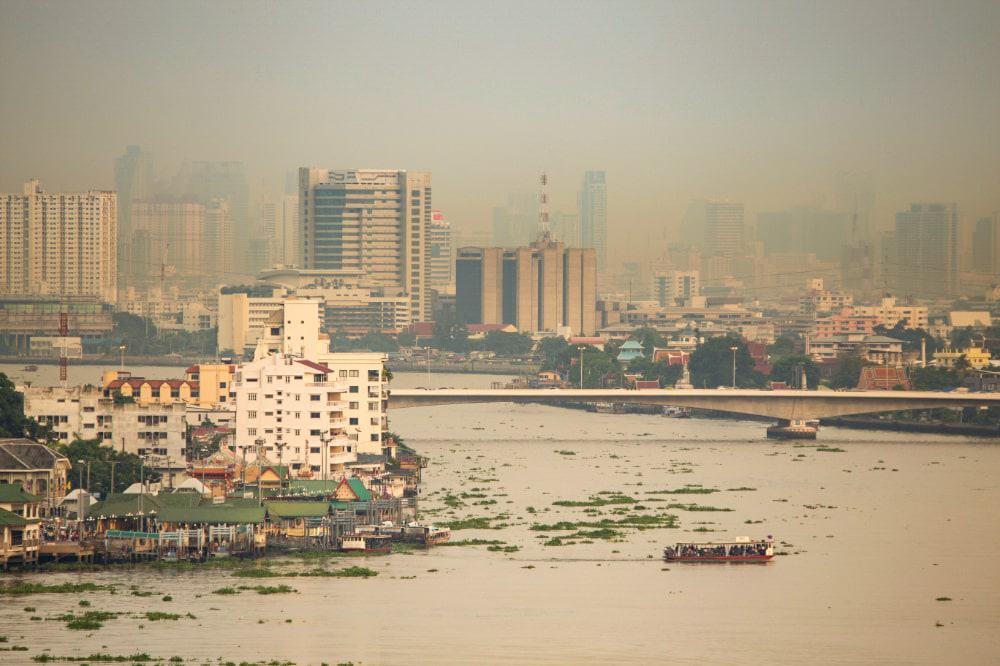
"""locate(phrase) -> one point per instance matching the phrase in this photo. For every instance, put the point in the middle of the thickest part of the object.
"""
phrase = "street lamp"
(260, 447)
(582, 347)
(121, 354)
(733, 349)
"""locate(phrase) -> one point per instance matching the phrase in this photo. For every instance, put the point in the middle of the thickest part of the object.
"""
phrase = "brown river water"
(874, 534)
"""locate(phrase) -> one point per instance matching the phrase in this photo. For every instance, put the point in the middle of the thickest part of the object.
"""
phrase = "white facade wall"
(295, 407)
(83, 412)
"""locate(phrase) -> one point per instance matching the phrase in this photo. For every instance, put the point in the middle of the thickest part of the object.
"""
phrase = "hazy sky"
(756, 102)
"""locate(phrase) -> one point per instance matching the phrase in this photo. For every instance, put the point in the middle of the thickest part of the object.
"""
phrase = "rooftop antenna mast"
(543, 208)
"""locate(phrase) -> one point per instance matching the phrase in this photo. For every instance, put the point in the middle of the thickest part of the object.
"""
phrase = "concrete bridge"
(792, 407)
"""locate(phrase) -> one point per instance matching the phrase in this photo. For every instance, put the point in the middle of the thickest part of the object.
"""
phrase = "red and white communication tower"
(543, 207)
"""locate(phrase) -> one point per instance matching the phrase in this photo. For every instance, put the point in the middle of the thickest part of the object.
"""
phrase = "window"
(314, 397)
(343, 373)
(352, 405)
(354, 373)
(354, 389)
(315, 433)
(251, 414)
(251, 396)
(372, 406)
(252, 432)
(374, 436)
(313, 449)
(354, 420)
(373, 375)
(314, 415)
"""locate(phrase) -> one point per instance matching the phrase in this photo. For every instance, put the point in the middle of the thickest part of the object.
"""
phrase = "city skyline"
(707, 112)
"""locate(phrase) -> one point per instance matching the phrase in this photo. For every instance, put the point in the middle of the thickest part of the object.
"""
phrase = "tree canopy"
(508, 344)
(13, 422)
(661, 371)
(711, 364)
(788, 369)
(100, 458)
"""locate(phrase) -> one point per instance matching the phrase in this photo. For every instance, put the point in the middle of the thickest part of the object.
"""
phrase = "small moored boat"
(742, 549)
(30, 368)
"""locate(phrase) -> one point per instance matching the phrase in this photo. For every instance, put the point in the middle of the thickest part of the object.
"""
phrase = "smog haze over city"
(493, 332)
(759, 102)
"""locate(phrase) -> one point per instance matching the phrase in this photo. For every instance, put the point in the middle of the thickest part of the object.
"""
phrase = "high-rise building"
(724, 231)
(670, 285)
(220, 264)
(594, 216)
(167, 240)
(440, 265)
(986, 246)
(208, 182)
(924, 261)
(566, 228)
(370, 220)
(545, 287)
(804, 230)
(288, 246)
(133, 181)
(515, 223)
(59, 244)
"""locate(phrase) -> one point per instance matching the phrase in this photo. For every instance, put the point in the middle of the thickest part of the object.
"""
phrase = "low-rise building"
(153, 430)
(877, 349)
(20, 516)
(36, 468)
(977, 357)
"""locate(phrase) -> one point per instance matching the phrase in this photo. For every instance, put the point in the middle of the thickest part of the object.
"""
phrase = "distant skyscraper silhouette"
(594, 217)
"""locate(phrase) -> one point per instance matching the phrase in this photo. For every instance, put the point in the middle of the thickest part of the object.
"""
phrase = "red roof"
(672, 357)
(484, 328)
(885, 379)
(641, 384)
(315, 366)
(421, 328)
(153, 383)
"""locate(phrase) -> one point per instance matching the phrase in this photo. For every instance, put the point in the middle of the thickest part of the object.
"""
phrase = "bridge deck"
(786, 405)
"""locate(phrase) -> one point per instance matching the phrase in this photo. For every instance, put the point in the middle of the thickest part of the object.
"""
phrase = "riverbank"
(130, 360)
(482, 367)
(966, 429)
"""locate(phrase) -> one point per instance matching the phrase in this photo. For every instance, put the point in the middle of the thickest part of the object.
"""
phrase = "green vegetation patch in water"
(597, 500)
(64, 588)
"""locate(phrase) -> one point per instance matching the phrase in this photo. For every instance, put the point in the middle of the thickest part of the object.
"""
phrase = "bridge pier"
(792, 429)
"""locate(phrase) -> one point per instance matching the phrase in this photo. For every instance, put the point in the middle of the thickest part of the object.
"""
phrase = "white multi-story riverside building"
(59, 244)
(294, 409)
(296, 331)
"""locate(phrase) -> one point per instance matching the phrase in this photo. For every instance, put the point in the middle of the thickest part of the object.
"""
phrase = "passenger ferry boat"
(427, 535)
(743, 549)
(368, 543)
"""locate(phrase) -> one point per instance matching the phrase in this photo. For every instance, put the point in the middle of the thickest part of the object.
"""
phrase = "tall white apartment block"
(370, 220)
(59, 244)
(593, 202)
(296, 331)
(294, 408)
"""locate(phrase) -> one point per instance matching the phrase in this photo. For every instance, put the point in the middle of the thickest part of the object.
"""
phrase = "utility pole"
(111, 490)
(733, 349)
(260, 446)
(581, 367)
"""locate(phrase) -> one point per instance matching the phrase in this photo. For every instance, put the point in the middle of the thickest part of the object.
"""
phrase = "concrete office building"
(924, 260)
(724, 230)
(375, 221)
(59, 244)
(545, 287)
(594, 216)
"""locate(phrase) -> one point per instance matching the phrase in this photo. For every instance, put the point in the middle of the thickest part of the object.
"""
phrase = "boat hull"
(721, 558)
